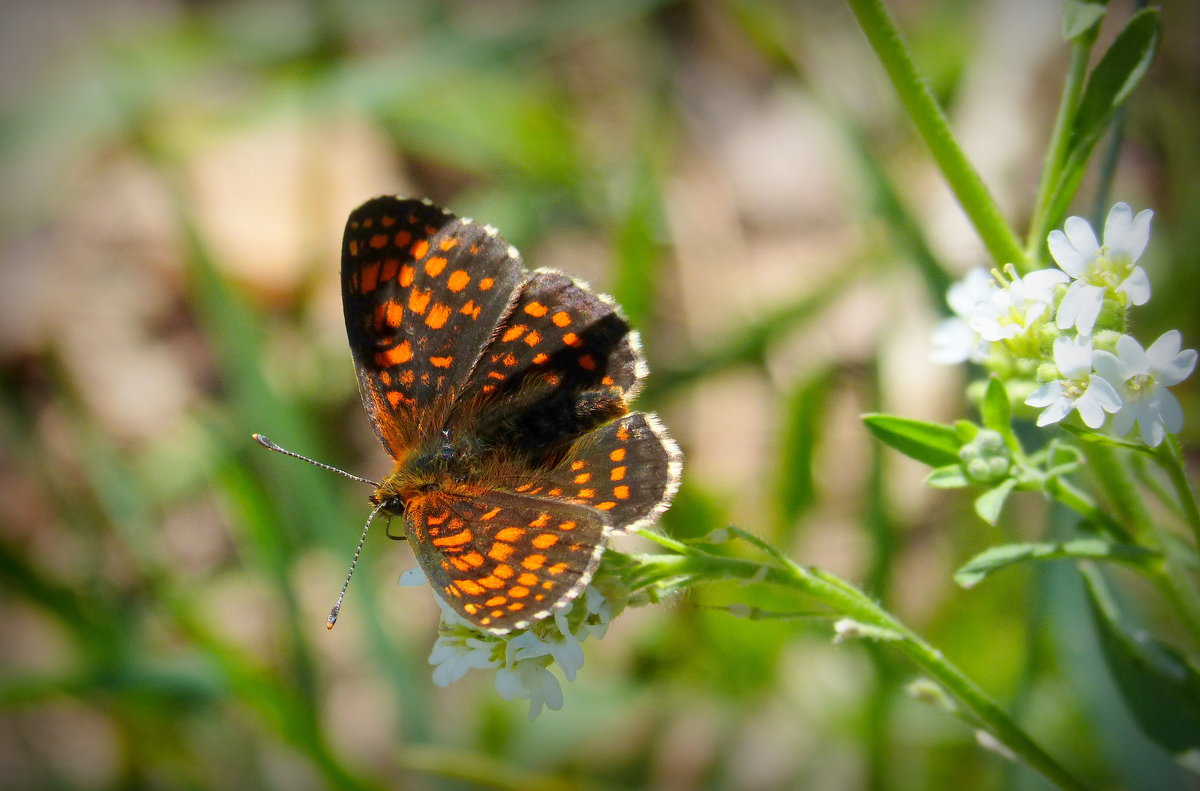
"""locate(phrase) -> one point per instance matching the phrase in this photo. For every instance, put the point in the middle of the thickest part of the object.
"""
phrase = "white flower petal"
(1055, 412)
(1169, 365)
(1137, 286)
(1104, 394)
(1089, 410)
(1065, 254)
(1109, 366)
(1125, 234)
(1170, 411)
(1039, 285)
(1073, 356)
(1123, 420)
(1151, 428)
(1045, 395)
(1080, 306)
(1082, 237)
(508, 684)
(1133, 358)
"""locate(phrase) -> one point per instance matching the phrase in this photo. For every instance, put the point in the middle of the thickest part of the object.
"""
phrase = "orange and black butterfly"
(501, 395)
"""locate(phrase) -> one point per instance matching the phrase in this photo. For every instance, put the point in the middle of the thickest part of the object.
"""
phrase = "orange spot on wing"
(534, 562)
(571, 339)
(492, 513)
(582, 477)
(568, 525)
(457, 281)
(540, 358)
(561, 319)
(606, 505)
(394, 398)
(353, 248)
(418, 300)
(470, 586)
(541, 521)
(395, 313)
(617, 455)
(518, 592)
(486, 283)
(454, 540)
(419, 249)
(407, 273)
(390, 267)
(587, 362)
(403, 238)
(387, 221)
(370, 277)
(379, 241)
(441, 362)
(516, 606)
(621, 492)
(435, 265)
(617, 474)
(504, 571)
(514, 332)
(448, 243)
(509, 361)
(397, 355)
(473, 559)
(527, 579)
(510, 534)
(500, 551)
(557, 568)
(536, 309)
(545, 540)
(491, 581)
(623, 432)
(578, 465)
(460, 564)
(438, 315)
(533, 338)
(587, 493)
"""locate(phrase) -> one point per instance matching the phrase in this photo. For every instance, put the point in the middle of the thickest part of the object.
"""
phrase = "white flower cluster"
(522, 659)
(1059, 316)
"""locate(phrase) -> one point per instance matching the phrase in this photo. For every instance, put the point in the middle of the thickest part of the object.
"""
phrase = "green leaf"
(1159, 685)
(996, 410)
(998, 557)
(802, 426)
(966, 431)
(935, 444)
(1080, 16)
(1113, 79)
(951, 476)
(988, 504)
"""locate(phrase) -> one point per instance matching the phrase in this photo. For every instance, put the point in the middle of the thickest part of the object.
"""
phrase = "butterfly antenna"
(337, 607)
(269, 445)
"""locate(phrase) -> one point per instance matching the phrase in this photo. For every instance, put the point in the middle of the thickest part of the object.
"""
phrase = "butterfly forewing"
(422, 294)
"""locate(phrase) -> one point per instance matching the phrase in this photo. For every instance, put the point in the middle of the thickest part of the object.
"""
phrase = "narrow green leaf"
(1114, 78)
(995, 558)
(996, 411)
(1159, 685)
(1080, 16)
(935, 444)
(989, 504)
(949, 477)
(802, 426)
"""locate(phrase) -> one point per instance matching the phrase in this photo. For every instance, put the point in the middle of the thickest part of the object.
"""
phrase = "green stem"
(1170, 575)
(847, 600)
(922, 107)
(1170, 458)
(1066, 494)
(1056, 154)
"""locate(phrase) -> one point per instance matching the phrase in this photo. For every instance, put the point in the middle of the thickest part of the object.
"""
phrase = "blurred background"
(175, 177)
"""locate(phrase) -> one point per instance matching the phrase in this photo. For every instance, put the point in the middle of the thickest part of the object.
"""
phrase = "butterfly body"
(501, 396)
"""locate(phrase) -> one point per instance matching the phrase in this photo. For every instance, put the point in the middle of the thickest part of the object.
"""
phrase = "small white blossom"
(1013, 310)
(1142, 378)
(1078, 389)
(953, 339)
(1097, 271)
(522, 659)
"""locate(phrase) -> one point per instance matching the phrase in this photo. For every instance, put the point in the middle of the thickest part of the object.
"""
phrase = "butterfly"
(501, 396)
